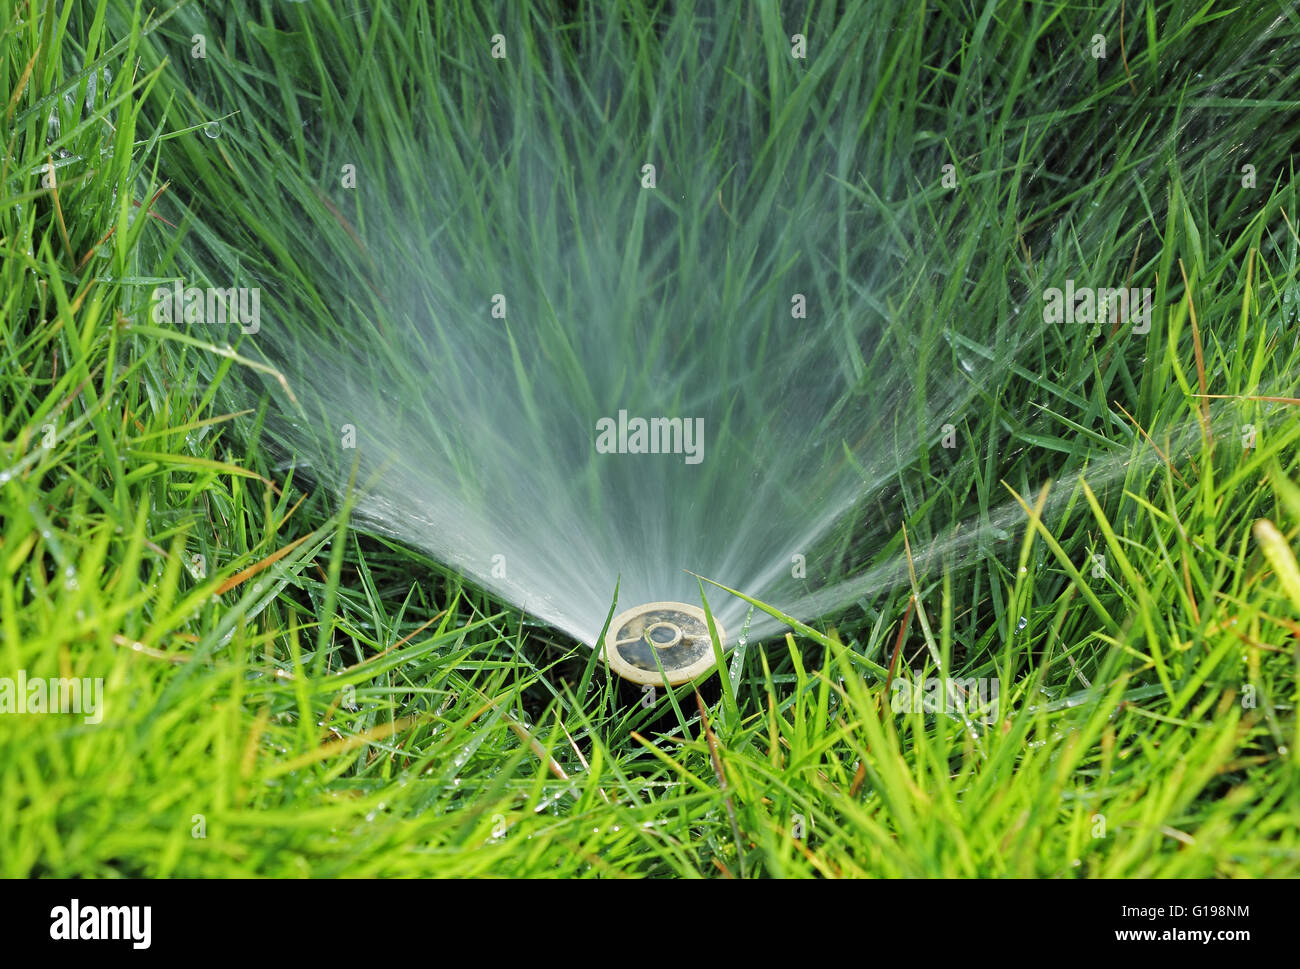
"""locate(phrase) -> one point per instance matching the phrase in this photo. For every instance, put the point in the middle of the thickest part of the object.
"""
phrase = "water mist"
(592, 337)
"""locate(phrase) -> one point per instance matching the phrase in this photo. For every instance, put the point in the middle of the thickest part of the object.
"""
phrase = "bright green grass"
(352, 709)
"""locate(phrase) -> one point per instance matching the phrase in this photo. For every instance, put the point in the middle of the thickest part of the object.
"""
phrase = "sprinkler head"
(674, 633)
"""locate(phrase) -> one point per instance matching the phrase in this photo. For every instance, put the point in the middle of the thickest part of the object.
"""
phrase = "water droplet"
(212, 129)
(1022, 624)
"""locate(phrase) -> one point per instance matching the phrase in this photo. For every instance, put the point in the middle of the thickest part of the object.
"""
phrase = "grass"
(286, 694)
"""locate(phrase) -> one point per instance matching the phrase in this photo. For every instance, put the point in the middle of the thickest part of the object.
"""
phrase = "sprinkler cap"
(675, 633)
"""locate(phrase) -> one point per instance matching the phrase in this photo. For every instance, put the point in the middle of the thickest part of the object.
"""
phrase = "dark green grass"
(352, 708)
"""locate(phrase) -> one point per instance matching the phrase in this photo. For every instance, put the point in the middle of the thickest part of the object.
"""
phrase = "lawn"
(308, 665)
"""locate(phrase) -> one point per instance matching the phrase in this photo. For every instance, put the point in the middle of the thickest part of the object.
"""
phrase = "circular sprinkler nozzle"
(674, 633)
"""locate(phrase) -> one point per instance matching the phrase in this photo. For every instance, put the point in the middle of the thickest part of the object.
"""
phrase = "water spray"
(586, 363)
